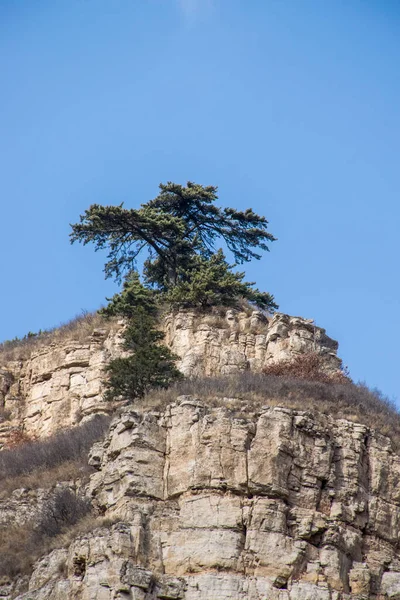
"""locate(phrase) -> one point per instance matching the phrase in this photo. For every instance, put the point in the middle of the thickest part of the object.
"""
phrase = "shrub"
(43, 464)
(65, 446)
(61, 511)
(149, 363)
(19, 437)
(62, 518)
(310, 366)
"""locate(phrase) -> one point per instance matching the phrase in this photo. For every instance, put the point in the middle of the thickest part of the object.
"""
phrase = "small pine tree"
(132, 297)
(149, 364)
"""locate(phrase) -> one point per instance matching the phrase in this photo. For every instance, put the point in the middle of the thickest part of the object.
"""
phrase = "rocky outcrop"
(25, 505)
(57, 385)
(215, 345)
(60, 383)
(22, 506)
(207, 505)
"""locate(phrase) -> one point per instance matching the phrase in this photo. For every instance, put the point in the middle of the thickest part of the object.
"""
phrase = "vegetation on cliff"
(149, 363)
(79, 328)
(51, 466)
(178, 232)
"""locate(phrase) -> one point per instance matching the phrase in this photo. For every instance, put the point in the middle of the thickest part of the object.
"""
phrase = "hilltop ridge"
(55, 381)
(233, 484)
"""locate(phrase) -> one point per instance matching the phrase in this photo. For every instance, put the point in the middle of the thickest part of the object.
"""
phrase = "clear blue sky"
(291, 107)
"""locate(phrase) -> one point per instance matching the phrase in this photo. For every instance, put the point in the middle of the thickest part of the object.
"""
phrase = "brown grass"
(245, 394)
(22, 546)
(309, 366)
(47, 478)
(80, 328)
(44, 463)
(41, 463)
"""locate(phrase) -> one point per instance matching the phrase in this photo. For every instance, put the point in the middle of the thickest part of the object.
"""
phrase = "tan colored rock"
(360, 580)
(22, 506)
(243, 341)
(282, 506)
(206, 505)
(62, 382)
(58, 385)
(48, 569)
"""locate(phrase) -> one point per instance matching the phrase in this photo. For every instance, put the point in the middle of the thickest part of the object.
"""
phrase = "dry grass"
(245, 394)
(41, 463)
(310, 366)
(46, 478)
(44, 463)
(79, 329)
(22, 546)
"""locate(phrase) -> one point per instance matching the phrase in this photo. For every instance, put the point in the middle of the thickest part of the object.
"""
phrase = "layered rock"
(60, 383)
(277, 505)
(25, 505)
(213, 345)
(57, 385)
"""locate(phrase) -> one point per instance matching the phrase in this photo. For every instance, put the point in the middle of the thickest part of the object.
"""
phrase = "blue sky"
(291, 107)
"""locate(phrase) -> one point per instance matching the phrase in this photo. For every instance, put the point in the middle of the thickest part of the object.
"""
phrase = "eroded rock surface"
(222, 346)
(279, 505)
(57, 386)
(61, 383)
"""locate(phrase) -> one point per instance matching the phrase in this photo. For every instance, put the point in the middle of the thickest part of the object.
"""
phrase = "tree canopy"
(207, 282)
(178, 233)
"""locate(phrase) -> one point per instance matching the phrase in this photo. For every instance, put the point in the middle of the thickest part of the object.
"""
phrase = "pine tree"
(212, 282)
(149, 364)
(178, 232)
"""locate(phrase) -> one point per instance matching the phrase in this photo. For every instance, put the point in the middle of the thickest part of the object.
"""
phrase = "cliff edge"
(208, 497)
(54, 383)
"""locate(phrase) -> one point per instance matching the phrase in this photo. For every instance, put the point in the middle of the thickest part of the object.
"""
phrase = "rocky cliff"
(213, 498)
(58, 383)
(277, 504)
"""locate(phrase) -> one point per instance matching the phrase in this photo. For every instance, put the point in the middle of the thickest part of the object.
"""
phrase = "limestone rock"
(204, 504)
(241, 341)
(282, 506)
(62, 382)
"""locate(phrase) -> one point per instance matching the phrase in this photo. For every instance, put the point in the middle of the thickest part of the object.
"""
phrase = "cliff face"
(213, 346)
(204, 502)
(59, 383)
(206, 505)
